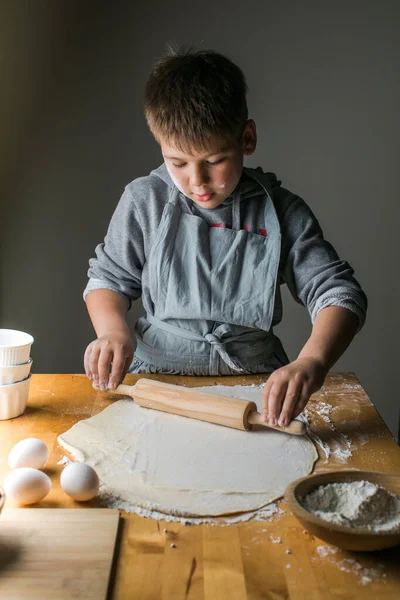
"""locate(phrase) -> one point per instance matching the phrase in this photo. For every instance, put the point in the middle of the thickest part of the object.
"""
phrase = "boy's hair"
(194, 97)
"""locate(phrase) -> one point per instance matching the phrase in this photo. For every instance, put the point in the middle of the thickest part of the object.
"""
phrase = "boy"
(207, 243)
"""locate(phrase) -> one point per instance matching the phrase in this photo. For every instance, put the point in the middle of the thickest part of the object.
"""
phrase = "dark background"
(324, 92)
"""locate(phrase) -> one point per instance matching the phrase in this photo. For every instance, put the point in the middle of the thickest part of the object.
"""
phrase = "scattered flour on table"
(365, 575)
(340, 445)
(276, 540)
(64, 461)
(355, 504)
(324, 551)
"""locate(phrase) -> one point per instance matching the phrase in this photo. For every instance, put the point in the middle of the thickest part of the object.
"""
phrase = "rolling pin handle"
(126, 390)
(295, 426)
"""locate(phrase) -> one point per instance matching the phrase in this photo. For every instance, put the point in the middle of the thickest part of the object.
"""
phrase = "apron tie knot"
(212, 339)
(231, 361)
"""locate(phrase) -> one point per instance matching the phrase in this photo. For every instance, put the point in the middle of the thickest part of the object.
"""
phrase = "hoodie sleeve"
(311, 268)
(120, 258)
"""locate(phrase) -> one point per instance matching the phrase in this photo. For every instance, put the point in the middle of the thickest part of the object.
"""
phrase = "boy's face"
(208, 178)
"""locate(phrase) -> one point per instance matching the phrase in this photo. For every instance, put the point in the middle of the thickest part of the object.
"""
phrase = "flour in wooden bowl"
(357, 504)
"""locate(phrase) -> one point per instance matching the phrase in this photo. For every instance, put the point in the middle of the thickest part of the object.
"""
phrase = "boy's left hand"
(289, 388)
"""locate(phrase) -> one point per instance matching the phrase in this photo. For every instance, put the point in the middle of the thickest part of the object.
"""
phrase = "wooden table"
(236, 562)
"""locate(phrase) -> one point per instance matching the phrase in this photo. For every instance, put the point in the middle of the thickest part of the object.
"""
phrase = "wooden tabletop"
(253, 560)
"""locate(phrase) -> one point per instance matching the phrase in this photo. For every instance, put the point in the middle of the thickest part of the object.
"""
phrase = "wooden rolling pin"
(179, 400)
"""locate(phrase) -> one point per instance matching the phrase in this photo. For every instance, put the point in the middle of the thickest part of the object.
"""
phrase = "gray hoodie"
(309, 265)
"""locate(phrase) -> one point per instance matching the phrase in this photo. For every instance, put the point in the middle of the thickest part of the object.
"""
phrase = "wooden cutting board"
(56, 554)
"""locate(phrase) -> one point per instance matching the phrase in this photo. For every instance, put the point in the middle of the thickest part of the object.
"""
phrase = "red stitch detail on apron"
(221, 225)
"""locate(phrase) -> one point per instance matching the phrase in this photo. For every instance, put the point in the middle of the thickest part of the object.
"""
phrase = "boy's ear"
(249, 137)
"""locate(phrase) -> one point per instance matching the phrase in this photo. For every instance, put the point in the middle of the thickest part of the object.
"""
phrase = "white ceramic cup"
(15, 373)
(14, 398)
(15, 347)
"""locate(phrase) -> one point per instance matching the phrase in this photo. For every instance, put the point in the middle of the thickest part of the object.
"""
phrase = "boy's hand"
(113, 351)
(288, 390)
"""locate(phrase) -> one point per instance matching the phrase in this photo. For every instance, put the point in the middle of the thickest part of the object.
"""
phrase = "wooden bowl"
(348, 538)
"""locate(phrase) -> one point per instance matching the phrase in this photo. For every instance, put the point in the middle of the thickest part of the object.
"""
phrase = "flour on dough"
(185, 467)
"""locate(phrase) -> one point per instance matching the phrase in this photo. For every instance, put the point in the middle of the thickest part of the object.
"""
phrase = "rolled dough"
(185, 467)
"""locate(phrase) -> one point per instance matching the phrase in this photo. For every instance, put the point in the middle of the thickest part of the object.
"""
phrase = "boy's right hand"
(111, 352)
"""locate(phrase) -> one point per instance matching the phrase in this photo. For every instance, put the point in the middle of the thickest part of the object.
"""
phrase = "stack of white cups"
(15, 368)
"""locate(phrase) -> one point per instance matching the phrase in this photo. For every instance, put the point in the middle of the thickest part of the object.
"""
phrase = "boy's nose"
(199, 178)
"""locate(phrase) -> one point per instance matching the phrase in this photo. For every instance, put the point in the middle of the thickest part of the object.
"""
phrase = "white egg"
(27, 485)
(79, 481)
(30, 452)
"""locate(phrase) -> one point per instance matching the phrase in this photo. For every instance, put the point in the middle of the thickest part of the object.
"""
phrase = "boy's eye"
(217, 162)
(207, 161)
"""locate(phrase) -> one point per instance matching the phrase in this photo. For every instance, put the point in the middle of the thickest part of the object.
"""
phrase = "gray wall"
(324, 92)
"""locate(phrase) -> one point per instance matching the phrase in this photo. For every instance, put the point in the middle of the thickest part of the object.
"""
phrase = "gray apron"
(213, 294)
